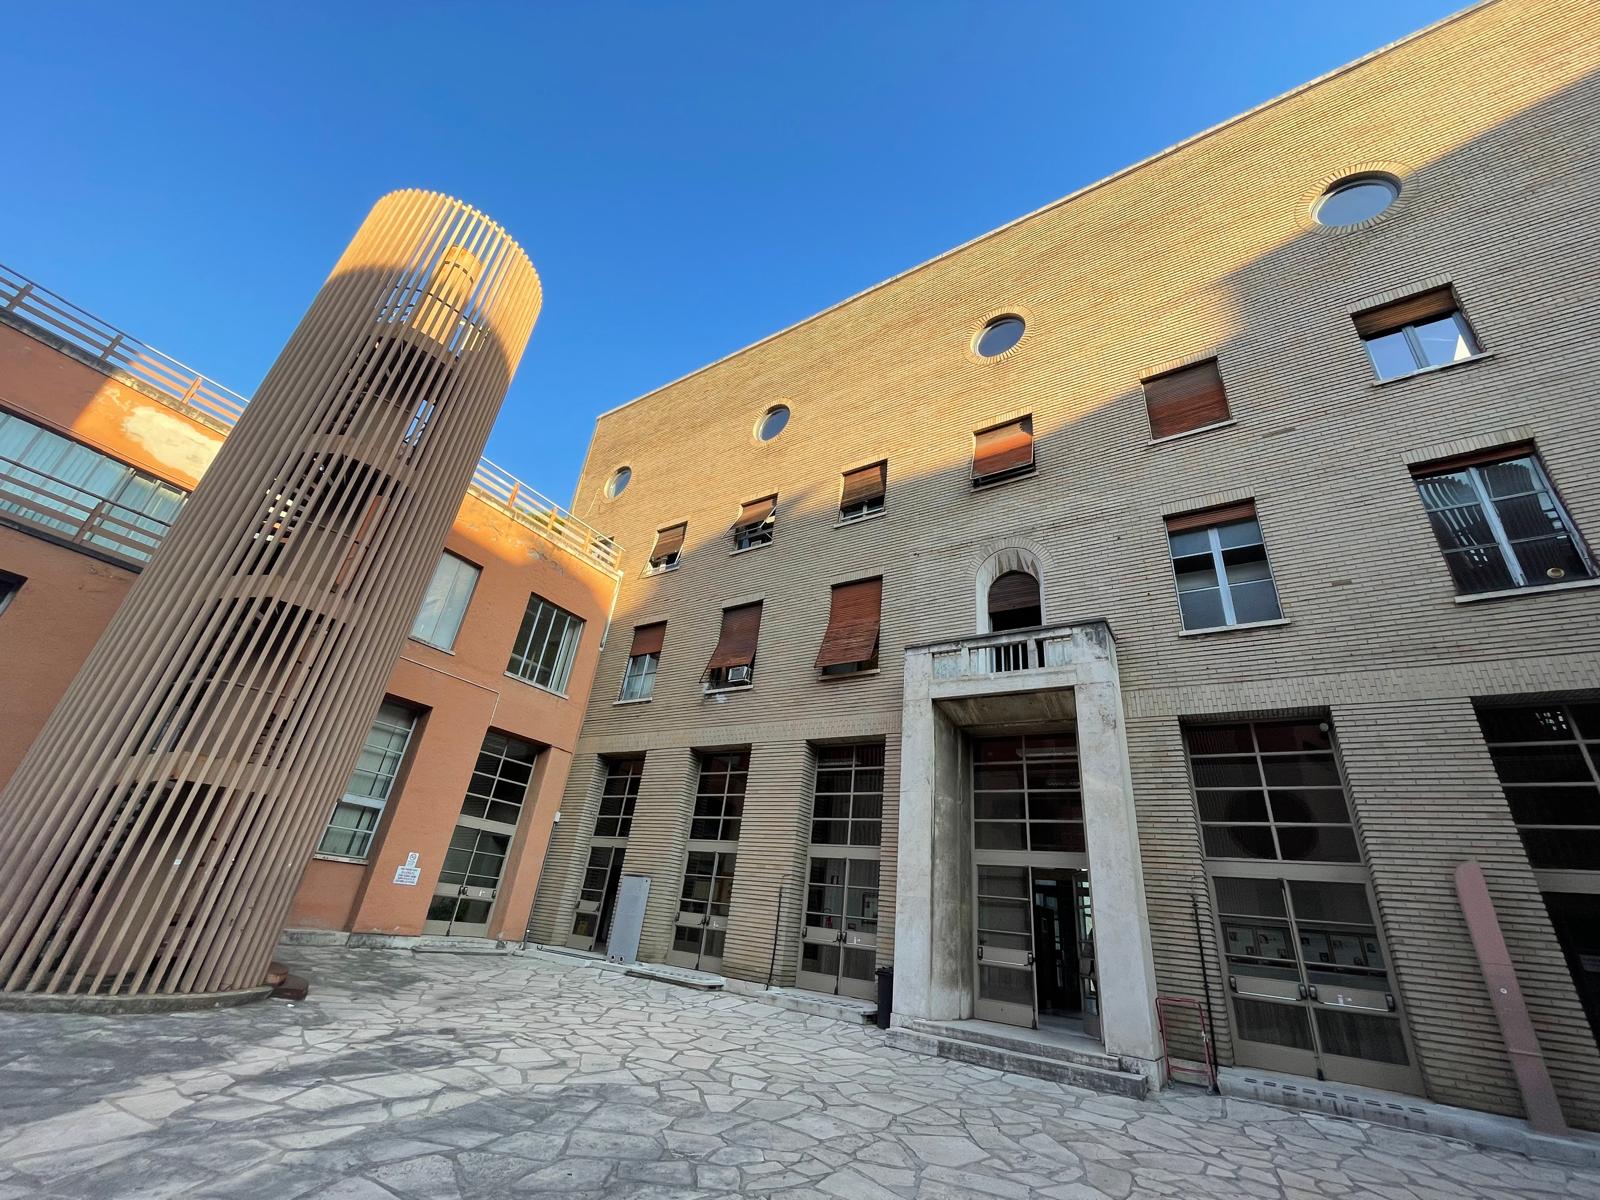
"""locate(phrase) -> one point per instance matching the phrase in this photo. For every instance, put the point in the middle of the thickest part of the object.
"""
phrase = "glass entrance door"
(1088, 977)
(839, 944)
(703, 911)
(1005, 946)
(469, 881)
(591, 924)
(1309, 983)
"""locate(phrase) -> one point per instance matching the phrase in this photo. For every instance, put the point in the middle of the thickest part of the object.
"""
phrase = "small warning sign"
(408, 875)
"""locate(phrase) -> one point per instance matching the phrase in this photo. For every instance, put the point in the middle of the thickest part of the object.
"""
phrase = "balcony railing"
(992, 654)
(190, 392)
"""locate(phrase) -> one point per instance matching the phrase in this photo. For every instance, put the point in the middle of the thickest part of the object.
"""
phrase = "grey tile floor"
(438, 1076)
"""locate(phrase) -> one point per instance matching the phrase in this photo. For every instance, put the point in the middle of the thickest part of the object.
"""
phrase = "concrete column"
(773, 837)
(1116, 879)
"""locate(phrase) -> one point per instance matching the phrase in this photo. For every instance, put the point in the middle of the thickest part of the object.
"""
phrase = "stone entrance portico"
(1055, 676)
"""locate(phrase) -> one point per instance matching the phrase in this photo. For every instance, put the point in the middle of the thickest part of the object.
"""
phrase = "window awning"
(756, 512)
(1185, 399)
(736, 647)
(1244, 510)
(864, 484)
(1413, 310)
(669, 541)
(648, 639)
(1012, 591)
(1003, 448)
(853, 616)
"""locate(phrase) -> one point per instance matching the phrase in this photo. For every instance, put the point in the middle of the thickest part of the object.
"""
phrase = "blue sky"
(687, 177)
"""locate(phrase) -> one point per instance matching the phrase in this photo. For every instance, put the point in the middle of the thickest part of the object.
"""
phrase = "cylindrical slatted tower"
(152, 838)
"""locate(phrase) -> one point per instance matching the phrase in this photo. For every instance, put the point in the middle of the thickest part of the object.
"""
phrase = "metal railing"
(188, 391)
(32, 498)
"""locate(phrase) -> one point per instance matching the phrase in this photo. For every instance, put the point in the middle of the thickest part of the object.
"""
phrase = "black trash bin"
(885, 995)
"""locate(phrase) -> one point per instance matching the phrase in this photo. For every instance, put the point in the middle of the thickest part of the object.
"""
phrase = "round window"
(1359, 198)
(773, 423)
(619, 482)
(999, 335)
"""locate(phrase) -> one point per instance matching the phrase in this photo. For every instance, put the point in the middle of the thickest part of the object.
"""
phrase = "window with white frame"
(356, 815)
(1500, 523)
(1220, 564)
(546, 645)
(1421, 331)
(639, 677)
(445, 603)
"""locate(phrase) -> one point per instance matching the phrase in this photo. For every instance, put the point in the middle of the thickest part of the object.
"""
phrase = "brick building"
(1165, 592)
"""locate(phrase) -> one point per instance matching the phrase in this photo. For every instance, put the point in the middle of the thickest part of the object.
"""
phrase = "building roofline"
(1191, 140)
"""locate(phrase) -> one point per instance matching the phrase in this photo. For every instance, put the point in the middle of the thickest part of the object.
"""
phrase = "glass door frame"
(844, 938)
(1315, 1063)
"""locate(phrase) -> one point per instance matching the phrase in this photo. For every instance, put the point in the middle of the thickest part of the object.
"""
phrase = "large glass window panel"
(355, 817)
(847, 805)
(1547, 757)
(444, 605)
(546, 645)
(1223, 576)
(1443, 341)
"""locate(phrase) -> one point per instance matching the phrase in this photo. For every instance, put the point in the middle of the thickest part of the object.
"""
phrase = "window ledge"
(1533, 590)
(1187, 433)
(736, 687)
(862, 519)
(651, 572)
(994, 481)
(1231, 628)
(639, 700)
(748, 549)
(1460, 362)
(537, 686)
(431, 646)
(852, 675)
(340, 858)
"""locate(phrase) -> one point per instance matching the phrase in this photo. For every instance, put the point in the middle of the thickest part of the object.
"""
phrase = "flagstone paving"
(434, 1077)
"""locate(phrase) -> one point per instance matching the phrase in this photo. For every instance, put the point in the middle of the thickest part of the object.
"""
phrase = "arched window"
(1014, 602)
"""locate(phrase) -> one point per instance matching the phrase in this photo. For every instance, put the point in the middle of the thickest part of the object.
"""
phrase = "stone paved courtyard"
(447, 1076)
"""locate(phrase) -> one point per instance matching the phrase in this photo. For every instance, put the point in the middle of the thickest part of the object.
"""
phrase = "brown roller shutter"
(853, 617)
(648, 639)
(1007, 447)
(863, 484)
(737, 645)
(668, 541)
(1013, 590)
(1206, 517)
(1413, 310)
(1185, 399)
(756, 512)
(1443, 466)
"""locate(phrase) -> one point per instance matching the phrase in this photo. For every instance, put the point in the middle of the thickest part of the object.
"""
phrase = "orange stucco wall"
(69, 596)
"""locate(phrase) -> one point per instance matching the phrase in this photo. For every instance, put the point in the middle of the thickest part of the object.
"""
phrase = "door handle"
(1313, 990)
(1388, 1001)
(980, 953)
(1304, 991)
(1030, 958)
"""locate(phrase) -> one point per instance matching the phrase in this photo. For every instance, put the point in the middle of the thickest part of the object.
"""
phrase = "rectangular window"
(719, 797)
(1002, 451)
(623, 776)
(444, 605)
(669, 546)
(1548, 759)
(1189, 398)
(1220, 564)
(52, 484)
(546, 645)
(10, 585)
(1270, 789)
(848, 809)
(639, 678)
(733, 662)
(863, 491)
(356, 815)
(1026, 793)
(851, 641)
(1499, 522)
(754, 526)
(1425, 330)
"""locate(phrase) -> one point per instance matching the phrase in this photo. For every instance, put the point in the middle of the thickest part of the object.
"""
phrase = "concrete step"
(813, 1004)
(461, 945)
(984, 1033)
(700, 981)
(999, 1058)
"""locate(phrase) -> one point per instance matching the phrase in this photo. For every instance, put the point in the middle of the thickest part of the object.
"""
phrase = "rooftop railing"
(187, 390)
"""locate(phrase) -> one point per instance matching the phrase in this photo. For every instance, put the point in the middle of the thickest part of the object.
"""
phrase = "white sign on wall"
(407, 875)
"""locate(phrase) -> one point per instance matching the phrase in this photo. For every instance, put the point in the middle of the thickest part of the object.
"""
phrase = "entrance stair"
(1042, 1053)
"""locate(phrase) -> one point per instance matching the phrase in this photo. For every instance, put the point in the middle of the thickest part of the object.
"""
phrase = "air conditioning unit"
(739, 675)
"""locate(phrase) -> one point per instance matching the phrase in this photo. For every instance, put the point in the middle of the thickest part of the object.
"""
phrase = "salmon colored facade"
(66, 583)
